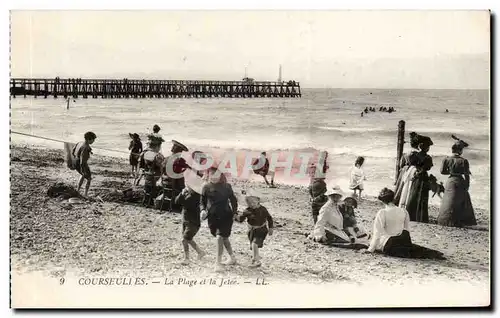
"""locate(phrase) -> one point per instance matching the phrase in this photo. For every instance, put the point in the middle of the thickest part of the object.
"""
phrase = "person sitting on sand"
(135, 148)
(456, 206)
(349, 219)
(391, 234)
(189, 199)
(263, 171)
(329, 227)
(260, 223)
(81, 154)
(218, 204)
(357, 176)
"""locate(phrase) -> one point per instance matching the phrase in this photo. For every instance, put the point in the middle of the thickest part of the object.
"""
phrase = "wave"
(440, 133)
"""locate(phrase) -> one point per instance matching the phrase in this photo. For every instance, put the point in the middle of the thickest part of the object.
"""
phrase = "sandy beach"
(52, 237)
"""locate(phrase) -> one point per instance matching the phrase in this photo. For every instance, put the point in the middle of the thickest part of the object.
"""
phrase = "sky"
(338, 49)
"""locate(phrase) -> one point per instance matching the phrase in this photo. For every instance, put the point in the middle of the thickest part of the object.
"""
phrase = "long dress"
(404, 164)
(417, 203)
(456, 206)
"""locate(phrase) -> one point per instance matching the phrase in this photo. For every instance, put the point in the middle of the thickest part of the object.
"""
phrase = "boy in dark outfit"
(259, 220)
(189, 199)
(81, 154)
(135, 148)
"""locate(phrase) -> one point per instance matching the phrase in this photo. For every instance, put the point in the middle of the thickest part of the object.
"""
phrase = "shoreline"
(369, 193)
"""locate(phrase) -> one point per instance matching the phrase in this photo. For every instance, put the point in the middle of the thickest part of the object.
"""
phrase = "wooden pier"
(130, 88)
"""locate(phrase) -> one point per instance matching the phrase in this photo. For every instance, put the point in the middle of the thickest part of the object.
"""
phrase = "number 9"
(61, 281)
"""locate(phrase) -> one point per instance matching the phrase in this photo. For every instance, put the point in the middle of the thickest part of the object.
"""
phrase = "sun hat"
(425, 140)
(178, 144)
(334, 190)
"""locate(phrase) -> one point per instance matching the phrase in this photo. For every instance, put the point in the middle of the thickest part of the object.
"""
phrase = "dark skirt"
(398, 189)
(456, 206)
(418, 199)
(133, 159)
(401, 246)
(335, 241)
(220, 224)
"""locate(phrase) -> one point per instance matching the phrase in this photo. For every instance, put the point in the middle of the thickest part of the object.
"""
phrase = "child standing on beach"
(81, 154)
(135, 148)
(260, 223)
(189, 199)
(357, 176)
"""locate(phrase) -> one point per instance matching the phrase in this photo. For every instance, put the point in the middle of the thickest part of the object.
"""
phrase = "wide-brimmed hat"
(181, 146)
(459, 144)
(425, 140)
(334, 190)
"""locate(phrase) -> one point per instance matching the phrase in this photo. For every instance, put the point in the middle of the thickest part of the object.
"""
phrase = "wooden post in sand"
(401, 142)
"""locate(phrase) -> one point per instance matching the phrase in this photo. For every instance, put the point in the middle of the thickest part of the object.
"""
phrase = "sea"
(322, 119)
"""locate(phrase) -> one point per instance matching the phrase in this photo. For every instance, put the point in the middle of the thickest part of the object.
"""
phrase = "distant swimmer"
(361, 114)
(447, 110)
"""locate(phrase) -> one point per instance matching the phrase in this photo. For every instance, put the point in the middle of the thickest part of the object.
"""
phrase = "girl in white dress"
(357, 176)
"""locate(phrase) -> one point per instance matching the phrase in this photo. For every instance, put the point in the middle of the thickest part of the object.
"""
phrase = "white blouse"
(330, 219)
(390, 221)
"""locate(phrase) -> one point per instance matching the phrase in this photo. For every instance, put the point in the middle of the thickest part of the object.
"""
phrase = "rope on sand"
(62, 141)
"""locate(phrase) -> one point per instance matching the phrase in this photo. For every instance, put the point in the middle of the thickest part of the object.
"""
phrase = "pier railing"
(133, 88)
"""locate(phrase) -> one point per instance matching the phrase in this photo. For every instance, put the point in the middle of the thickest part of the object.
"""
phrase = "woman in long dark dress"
(417, 203)
(456, 206)
(404, 164)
